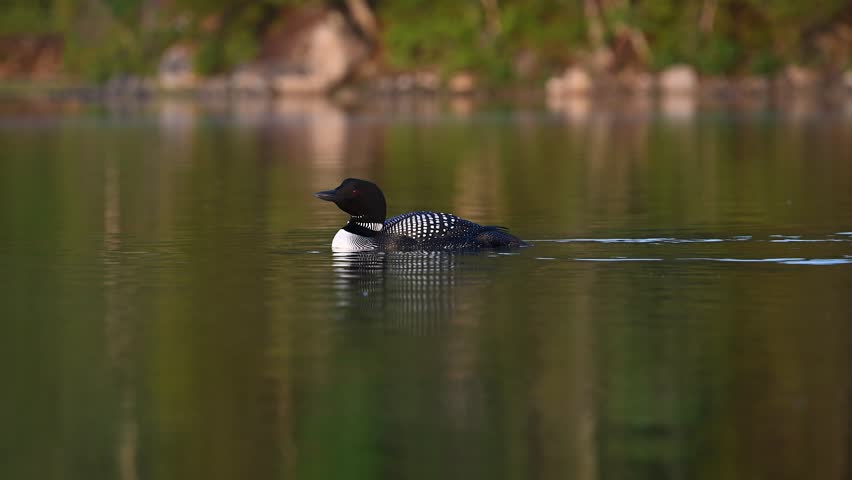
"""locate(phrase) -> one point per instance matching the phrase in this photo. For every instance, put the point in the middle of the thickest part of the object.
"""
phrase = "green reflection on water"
(162, 317)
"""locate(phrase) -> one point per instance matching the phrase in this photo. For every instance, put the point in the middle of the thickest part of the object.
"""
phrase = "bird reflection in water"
(414, 292)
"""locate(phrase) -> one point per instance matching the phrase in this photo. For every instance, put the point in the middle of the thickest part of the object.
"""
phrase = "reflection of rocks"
(251, 110)
(129, 86)
(575, 108)
(177, 120)
(683, 80)
(177, 116)
(678, 85)
(325, 125)
(462, 106)
(678, 107)
(800, 108)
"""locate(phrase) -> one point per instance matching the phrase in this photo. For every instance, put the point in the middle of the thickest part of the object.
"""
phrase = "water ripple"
(820, 261)
(619, 259)
(635, 240)
(847, 259)
(744, 260)
(663, 240)
(808, 240)
(746, 241)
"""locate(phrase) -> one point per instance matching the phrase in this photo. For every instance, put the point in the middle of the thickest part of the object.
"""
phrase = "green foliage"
(104, 37)
(670, 28)
(234, 42)
(744, 35)
(124, 9)
(26, 17)
(116, 51)
(787, 22)
(217, 54)
(114, 57)
(417, 35)
(719, 56)
(552, 33)
(461, 35)
(209, 58)
(765, 63)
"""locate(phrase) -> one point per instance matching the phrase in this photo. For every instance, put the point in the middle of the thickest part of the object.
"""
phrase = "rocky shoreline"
(574, 84)
(325, 57)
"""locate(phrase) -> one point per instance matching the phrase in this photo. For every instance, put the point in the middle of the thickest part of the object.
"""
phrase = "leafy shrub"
(765, 63)
(718, 56)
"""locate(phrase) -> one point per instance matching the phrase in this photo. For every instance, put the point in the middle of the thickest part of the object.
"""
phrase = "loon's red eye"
(354, 191)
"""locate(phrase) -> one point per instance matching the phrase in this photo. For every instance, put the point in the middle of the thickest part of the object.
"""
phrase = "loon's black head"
(359, 198)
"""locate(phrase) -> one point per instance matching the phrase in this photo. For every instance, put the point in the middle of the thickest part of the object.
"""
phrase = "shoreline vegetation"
(721, 50)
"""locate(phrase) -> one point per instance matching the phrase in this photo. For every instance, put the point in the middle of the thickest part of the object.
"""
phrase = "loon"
(368, 229)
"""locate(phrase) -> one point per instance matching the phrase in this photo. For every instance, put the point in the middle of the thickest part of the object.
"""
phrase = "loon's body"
(368, 229)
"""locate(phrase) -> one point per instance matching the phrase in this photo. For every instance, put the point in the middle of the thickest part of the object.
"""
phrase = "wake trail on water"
(835, 238)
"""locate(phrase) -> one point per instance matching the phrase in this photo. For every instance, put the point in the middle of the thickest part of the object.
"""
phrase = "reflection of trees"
(426, 365)
(789, 396)
(579, 385)
(119, 327)
(178, 343)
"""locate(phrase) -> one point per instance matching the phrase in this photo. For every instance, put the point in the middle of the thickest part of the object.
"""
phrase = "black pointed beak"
(328, 195)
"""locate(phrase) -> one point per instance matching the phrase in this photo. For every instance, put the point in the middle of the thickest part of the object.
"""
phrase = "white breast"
(349, 242)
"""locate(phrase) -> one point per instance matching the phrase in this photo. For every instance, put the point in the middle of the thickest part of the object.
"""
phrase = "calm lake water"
(171, 308)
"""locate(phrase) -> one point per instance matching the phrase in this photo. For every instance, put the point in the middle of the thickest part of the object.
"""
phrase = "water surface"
(171, 308)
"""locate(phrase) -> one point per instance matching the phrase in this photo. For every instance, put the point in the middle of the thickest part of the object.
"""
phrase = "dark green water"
(171, 308)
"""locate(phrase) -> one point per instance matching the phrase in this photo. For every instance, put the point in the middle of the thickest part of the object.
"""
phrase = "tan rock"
(214, 86)
(637, 82)
(331, 52)
(249, 81)
(404, 82)
(577, 81)
(175, 70)
(847, 80)
(678, 107)
(525, 64)
(427, 81)
(384, 84)
(754, 85)
(574, 81)
(462, 83)
(800, 78)
(679, 79)
(555, 87)
(716, 86)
